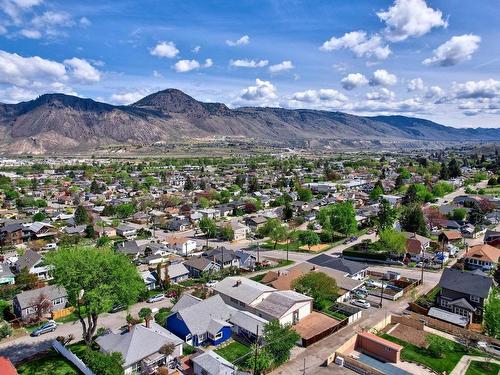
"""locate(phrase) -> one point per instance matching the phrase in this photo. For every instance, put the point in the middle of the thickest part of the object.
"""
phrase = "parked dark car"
(50, 326)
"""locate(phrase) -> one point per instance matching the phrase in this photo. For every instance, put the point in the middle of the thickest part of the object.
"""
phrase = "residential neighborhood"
(280, 264)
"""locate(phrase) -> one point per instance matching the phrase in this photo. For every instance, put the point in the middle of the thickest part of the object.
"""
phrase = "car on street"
(50, 326)
(157, 298)
(361, 303)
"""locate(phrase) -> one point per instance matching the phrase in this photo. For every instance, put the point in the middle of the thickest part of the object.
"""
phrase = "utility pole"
(381, 293)
(422, 268)
(256, 351)
(304, 373)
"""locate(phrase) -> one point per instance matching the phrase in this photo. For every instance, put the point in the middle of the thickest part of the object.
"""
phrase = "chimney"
(148, 322)
(129, 327)
(238, 283)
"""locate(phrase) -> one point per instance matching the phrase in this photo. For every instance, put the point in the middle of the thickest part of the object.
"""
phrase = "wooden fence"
(62, 313)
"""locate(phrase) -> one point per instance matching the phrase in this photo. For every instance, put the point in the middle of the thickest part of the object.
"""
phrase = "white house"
(287, 306)
(181, 245)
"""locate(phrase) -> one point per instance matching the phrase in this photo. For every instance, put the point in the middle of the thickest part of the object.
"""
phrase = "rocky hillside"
(57, 122)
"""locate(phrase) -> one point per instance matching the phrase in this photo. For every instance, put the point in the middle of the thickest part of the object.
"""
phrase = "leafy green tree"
(203, 202)
(270, 225)
(412, 220)
(318, 285)
(454, 168)
(259, 363)
(458, 214)
(279, 340)
(145, 313)
(81, 215)
(305, 194)
(226, 232)
(278, 234)
(377, 191)
(343, 218)
(492, 315)
(26, 280)
(208, 227)
(392, 241)
(39, 216)
(444, 174)
(442, 188)
(437, 345)
(124, 210)
(103, 363)
(309, 238)
(385, 216)
(95, 280)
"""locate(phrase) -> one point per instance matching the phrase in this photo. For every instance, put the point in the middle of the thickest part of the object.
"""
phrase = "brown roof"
(452, 234)
(380, 340)
(270, 276)
(314, 324)
(484, 252)
(413, 246)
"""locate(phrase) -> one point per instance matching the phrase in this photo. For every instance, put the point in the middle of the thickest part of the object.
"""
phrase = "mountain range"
(59, 123)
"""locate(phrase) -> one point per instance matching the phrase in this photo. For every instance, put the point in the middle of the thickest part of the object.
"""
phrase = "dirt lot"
(410, 334)
(315, 248)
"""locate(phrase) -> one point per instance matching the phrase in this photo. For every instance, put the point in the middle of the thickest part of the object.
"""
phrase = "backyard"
(233, 351)
(445, 362)
(52, 363)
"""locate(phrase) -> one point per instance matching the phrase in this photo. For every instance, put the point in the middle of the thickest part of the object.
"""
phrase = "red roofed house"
(6, 367)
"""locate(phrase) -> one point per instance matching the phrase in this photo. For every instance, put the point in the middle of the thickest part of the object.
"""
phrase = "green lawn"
(483, 368)
(233, 351)
(416, 354)
(52, 363)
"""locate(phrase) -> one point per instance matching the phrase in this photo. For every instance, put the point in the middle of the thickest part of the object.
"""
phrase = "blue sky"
(433, 59)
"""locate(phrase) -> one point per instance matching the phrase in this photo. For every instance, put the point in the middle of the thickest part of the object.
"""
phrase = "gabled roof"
(29, 297)
(466, 282)
(248, 321)
(28, 259)
(138, 343)
(279, 302)
(348, 266)
(213, 364)
(241, 289)
(199, 317)
(484, 252)
(200, 264)
(176, 270)
(185, 301)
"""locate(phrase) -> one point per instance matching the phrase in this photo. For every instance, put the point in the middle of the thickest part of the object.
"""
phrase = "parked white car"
(50, 246)
(361, 303)
(157, 298)
(211, 283)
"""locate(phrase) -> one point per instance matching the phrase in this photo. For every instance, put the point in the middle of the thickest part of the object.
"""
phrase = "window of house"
(444, 303)
(475, 298)
(218, 336)
(57, 301)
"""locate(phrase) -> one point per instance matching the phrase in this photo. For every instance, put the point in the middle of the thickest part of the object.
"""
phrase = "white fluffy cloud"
(477, 89)
(322, 95)
(360, 44)
(22, 71)
(281, 67)
(353, 80)
(128, 97)
(416, 84)
(165, 49)
(50, 19)
(264, 92)
(244, 40)
(245, 63)
(31, 33)
(434, 92)
(382, 77)
(183, 66)
(82, 70)
(381, 95)
(457, 49)
(410, 18)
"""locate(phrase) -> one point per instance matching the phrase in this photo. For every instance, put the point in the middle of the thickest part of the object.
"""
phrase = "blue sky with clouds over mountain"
(433, 59)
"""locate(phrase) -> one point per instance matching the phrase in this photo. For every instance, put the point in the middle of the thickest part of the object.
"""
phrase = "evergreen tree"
(188, 185)
(412, 220)
(454, 168)
(386, 215)
(444, 174)
(81, 215)
(411, 196)
(94, 187)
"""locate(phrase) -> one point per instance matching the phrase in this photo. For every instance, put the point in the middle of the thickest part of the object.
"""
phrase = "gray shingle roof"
(176, 270)
(199, 317)
(466, 282)
(344, 265)
(214, 364)
(248, 321)
(28, 259)
(185, 301)
(279, 302)
(29, 297)
(139, 343)
(242, 289)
